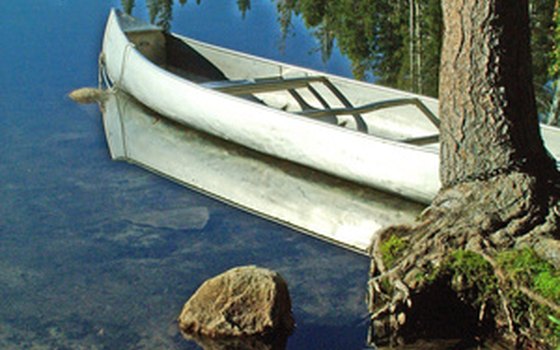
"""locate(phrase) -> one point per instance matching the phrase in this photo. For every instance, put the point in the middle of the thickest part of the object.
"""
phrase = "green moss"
(392, 249)
(527, 268)
(387, 286)
(555, 320)
(472, 275)
(474, 280)
(555, 325)
(548, 284)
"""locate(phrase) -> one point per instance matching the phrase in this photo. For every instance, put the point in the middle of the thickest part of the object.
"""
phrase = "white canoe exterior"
(404, 169)
(376, 159)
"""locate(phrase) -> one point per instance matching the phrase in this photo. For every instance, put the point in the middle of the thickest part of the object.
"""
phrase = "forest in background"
(397, 43)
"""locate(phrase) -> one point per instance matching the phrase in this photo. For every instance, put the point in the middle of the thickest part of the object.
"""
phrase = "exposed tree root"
(508, 211)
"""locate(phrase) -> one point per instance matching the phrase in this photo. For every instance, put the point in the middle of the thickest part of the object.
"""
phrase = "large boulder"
(244, 301)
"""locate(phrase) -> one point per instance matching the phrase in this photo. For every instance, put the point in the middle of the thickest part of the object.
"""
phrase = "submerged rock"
(244, 301)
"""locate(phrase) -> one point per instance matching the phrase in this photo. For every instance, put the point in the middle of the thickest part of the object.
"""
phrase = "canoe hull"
(357, 157)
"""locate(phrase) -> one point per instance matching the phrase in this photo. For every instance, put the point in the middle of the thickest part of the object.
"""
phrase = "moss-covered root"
(472, 267)
(535, 293)
(468, 295)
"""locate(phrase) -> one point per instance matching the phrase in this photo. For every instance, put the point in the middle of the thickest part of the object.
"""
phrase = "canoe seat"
(375, 106)
(248, 87)
(263, 85)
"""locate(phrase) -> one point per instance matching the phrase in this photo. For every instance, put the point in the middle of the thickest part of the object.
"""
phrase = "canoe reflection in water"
(307, 200)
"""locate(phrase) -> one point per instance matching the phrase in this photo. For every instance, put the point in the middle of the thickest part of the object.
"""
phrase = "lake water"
(92, 255)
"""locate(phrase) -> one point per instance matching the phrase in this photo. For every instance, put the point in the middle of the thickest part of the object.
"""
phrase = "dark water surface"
(92, 255)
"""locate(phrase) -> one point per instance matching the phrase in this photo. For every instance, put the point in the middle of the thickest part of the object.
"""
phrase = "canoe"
(326, 207)
(367, 134)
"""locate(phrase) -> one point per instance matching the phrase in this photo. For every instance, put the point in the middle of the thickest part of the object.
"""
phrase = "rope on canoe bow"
(126, 52)
(102, 77)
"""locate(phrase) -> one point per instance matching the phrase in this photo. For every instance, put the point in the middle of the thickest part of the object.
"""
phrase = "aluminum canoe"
(231, 95)
(364, 133)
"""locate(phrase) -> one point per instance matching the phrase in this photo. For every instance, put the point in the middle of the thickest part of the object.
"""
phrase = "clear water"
(88, 256)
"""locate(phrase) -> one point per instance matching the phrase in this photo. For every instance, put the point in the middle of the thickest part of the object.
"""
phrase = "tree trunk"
(491, 126)
(444, 276)
(411, 43)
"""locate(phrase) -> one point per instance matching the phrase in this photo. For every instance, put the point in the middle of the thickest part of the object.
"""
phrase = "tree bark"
(489, 119)
(500, 193)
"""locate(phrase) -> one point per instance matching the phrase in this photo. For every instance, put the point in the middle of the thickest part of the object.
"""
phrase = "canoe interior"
(293, 89)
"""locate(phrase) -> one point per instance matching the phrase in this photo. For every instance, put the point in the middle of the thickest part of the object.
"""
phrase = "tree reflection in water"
(396, 43)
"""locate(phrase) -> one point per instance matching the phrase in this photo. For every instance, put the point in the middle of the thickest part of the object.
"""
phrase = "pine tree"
(127, 5)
